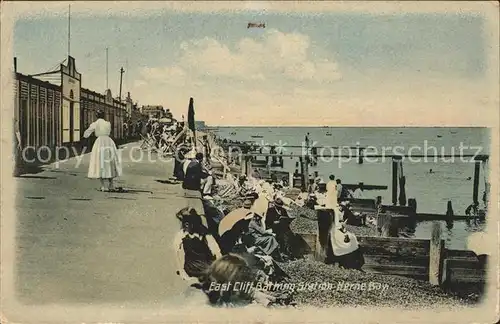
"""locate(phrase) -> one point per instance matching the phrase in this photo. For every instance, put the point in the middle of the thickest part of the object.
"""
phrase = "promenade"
(78, 245)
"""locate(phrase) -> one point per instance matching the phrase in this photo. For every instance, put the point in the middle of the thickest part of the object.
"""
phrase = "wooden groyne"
(423, 259)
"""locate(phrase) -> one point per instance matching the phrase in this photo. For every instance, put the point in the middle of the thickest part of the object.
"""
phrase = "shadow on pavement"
(35, 177)
(170, 182)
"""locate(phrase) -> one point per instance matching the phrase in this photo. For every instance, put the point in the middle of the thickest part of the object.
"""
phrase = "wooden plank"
(384, 241)
(436, 252)
(310, 242)
(461, 254)
(463, 264)
(401, 270)
(430, 216)
(365, 186)
(402, 250)
(342, 155)
(402, 210)
(466, 275)
(419, 261)
(362, 202)
(364, 210)
(258, 163)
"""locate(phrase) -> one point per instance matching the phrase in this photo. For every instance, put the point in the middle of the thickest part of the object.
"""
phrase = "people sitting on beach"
(344, 247)
(213, 216)
(314, 185)
(341, 191)
(301, 199)
(321, 193)
(278, 220)
(263, 239)
(193, 175)
(243, 186)
(231, 270)
(316, 176)
(359, 192)
(349, 217)
(195, 248)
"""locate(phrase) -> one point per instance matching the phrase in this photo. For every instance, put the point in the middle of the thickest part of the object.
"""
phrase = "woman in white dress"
(105, 160)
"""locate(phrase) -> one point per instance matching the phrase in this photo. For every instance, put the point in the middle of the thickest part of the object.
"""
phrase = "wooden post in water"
(241, 162)
(303, 184)
(394, 181)
(475, 191)
(306, 173)
(436, 254)
(360, 155)
(306, 164)
(248, 165)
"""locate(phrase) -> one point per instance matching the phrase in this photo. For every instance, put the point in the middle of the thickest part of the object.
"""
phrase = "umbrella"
(231, 219)
(402, 183)
(191, 115)
(191, 123)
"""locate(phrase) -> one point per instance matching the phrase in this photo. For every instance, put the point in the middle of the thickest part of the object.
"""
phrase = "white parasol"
(231, 219)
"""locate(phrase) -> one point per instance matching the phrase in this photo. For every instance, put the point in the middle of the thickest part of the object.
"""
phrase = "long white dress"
(105, 159)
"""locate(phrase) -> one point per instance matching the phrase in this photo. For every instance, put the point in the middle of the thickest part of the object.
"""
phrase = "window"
(23, 121)
(50, 119)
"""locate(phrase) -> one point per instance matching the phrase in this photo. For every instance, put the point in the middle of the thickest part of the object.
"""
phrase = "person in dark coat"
(264, 239)
(179, 159)
(213, 216)
(196, 249)
(278, 220)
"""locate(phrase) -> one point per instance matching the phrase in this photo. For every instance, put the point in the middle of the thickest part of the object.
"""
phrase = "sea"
(450, 179)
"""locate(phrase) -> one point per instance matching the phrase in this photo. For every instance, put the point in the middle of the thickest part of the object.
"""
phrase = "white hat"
(190, 155)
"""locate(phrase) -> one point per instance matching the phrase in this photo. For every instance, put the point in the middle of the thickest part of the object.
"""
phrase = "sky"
(304, 68)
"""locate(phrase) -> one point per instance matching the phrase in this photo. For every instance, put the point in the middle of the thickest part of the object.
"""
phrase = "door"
(71, 121)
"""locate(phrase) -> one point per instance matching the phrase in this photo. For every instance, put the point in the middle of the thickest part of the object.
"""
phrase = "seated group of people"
(245, 236)
(253, 236)
(162, 135)
(334, 194)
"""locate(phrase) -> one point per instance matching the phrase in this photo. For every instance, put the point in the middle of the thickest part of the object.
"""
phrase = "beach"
(449, 180)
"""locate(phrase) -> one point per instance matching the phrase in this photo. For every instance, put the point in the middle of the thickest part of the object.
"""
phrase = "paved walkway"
(78, 245)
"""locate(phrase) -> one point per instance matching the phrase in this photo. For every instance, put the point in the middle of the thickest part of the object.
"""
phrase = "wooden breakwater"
(423, 259)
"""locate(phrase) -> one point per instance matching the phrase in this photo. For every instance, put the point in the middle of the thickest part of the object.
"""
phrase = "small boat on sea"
(328, 134)
(439, 136)
(256, 136)
(233, 133)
